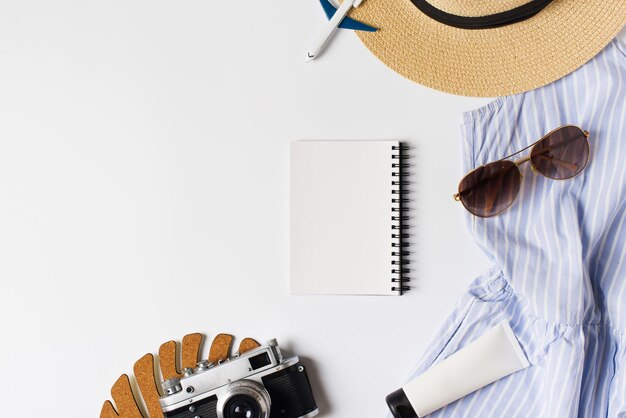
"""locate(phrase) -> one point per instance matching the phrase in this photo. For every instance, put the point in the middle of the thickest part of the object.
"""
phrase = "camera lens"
(244, 399)
(242, 406)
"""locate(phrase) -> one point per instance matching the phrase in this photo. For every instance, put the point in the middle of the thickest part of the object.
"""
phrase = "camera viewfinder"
(259, 361)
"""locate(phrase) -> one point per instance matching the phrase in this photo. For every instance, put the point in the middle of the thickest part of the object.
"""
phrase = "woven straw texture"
(489, 62)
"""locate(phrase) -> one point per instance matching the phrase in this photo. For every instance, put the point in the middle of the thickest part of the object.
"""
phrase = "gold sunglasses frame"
(457, 196)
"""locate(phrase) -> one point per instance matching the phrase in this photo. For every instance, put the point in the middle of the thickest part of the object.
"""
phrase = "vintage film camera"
(257, 384)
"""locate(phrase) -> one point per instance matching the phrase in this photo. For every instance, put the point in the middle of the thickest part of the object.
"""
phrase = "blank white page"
(341, 206)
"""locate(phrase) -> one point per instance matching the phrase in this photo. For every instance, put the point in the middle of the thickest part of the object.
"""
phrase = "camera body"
(257, 384)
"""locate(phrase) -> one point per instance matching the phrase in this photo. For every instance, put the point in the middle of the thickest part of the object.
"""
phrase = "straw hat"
(488, 47)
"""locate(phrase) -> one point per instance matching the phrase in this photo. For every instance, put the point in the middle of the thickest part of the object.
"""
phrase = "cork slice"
(126, 403)
(220, 348)
(124, 399)
(248, 344)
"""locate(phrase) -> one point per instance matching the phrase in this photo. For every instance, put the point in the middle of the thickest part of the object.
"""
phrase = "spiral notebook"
(348, 228)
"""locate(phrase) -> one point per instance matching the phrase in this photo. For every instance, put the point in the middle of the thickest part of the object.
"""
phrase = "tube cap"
(399, 405)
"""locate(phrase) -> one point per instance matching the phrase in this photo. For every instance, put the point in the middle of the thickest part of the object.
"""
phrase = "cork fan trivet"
(147, 375)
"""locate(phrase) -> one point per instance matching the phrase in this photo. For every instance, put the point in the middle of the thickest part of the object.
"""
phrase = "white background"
(144, 195)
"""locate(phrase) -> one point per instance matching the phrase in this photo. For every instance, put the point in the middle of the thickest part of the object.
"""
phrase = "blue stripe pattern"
(558, 253)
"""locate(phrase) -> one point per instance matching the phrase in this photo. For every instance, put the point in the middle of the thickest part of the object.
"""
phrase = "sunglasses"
(492, 188)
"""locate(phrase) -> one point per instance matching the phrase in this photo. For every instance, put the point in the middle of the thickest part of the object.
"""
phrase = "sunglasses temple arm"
(560, 144)
(566, 164)
(490, 200)
(564, 142)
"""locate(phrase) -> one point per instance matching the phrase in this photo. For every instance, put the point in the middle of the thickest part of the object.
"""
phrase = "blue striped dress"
(559, 275)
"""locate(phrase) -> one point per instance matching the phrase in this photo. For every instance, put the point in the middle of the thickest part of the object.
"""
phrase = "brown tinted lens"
(562, 154)
(490, 189)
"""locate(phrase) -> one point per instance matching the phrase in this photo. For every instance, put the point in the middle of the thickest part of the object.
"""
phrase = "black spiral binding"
(399, 227)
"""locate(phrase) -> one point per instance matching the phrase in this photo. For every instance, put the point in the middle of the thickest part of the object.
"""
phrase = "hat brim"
(490, 62)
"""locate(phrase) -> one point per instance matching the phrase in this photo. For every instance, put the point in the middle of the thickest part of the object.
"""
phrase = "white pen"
(330, 27)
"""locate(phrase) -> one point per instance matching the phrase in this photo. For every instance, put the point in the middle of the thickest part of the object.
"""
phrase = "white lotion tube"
(492, 356)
